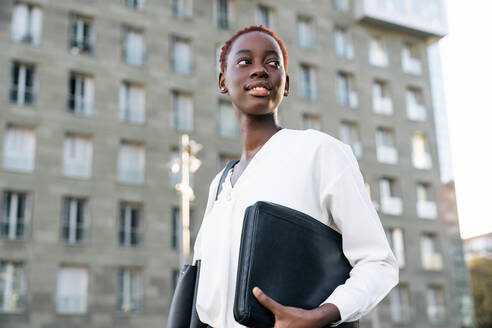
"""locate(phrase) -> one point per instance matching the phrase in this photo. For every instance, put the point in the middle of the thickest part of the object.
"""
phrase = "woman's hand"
(292, 317)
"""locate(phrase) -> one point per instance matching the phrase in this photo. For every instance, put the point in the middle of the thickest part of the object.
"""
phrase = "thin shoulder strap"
(224, 174)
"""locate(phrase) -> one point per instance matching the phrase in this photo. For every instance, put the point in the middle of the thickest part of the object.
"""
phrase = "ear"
(222, 85)
(286, 91)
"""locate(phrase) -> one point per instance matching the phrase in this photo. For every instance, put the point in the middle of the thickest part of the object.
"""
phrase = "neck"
(255, 130)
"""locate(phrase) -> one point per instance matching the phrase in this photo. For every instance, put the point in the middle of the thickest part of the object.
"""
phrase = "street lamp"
(187, 163)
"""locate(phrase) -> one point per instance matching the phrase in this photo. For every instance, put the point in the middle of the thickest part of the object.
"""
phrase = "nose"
(258, 72)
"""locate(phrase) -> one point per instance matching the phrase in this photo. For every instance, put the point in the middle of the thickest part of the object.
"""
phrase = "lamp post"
(187, 163)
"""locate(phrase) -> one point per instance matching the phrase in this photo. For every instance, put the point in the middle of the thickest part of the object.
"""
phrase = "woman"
(309, 171)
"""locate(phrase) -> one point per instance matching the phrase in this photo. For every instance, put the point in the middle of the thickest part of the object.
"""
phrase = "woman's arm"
(375, 269)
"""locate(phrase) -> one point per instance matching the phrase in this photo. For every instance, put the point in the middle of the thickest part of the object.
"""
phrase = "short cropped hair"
(253, 28)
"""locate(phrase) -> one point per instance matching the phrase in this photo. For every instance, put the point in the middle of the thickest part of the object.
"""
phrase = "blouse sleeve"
(375, 269)
(210, 202)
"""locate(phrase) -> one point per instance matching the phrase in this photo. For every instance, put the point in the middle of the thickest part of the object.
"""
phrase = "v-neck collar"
(252, 160)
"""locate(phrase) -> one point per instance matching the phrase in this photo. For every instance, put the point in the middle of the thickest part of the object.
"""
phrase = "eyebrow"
(266, 52)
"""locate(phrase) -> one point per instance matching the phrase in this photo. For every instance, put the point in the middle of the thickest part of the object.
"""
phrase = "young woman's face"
(255, 78)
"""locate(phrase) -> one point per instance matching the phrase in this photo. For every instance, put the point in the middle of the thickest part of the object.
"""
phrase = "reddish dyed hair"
(253, 28)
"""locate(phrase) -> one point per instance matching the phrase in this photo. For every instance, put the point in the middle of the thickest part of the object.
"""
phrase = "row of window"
(430, 250)
(16, 220)
(71, 289)
(73, 282)
(23, 86)
(26, 25)
(401, 308)
(19, 150)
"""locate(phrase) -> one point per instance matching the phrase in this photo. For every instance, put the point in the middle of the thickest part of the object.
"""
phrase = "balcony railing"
(131, 175)
(18, 163)
(72, 304)
(432, 261)
(382, 105)
(416, 112)
(422, 160)
(411, 65)
(391, 205)
(356, 148)
(387, 154)
(436, 313)
(353, 99)
(426, 209)
(378, 58)
(79, 170)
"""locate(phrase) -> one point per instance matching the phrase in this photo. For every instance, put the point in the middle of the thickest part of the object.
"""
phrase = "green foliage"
(481, 278)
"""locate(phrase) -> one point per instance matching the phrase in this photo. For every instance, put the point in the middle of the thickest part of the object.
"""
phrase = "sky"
(466, 56)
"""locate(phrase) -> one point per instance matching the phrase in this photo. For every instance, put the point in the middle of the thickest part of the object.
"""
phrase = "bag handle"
(224, 174)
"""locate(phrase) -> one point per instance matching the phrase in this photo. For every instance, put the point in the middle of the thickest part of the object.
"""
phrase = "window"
(308, 82)
(415, 108)
(75, 220)
(227, 120)
(349, 134)
(385, 142)
(400, 304)
(81, 94)
(346, 94)
(390, 202)
(426, 207)
(305, 32)
(218, 50)
(134, 4)
(175, 177)
(436, 308)
(381, 100)
(22, 84)
(395, 239)
(131, 227)
(16, 214)
(431, 256)
(420, 151)
(71, 295)
(410, 59)
(130, 290)
(19, 149)
(177, 228)
(181, 59)
(77, 156)
(131, 162)
(343, 43)
(133, 46)
(377, 52)
(26, 23)
(13, 289)
(340, 5)
(310, 121)
(264, 16)
(182, 111)
(223, 13)
(132, 103)
(182, 8)
(81, 35)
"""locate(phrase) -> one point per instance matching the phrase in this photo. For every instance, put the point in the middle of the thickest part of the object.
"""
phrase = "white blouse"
(311, 172)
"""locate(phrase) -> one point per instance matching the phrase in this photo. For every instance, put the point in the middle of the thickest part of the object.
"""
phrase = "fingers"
(266, 301)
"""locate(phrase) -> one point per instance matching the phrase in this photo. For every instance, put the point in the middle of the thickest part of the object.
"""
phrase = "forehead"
(255, 41)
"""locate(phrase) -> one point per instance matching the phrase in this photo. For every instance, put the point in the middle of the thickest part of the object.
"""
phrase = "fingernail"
(256, 291)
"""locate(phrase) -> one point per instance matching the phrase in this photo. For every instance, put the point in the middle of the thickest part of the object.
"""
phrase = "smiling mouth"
(259, 92)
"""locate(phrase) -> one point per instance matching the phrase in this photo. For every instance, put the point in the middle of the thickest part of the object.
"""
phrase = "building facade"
(96, 97)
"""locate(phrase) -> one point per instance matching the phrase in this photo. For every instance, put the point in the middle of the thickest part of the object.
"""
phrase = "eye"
(274, 63)
(243, 61)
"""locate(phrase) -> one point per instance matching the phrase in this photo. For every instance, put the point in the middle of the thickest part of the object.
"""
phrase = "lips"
(258, 89)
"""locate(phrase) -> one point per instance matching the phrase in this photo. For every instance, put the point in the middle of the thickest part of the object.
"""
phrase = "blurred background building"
(97, 94)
